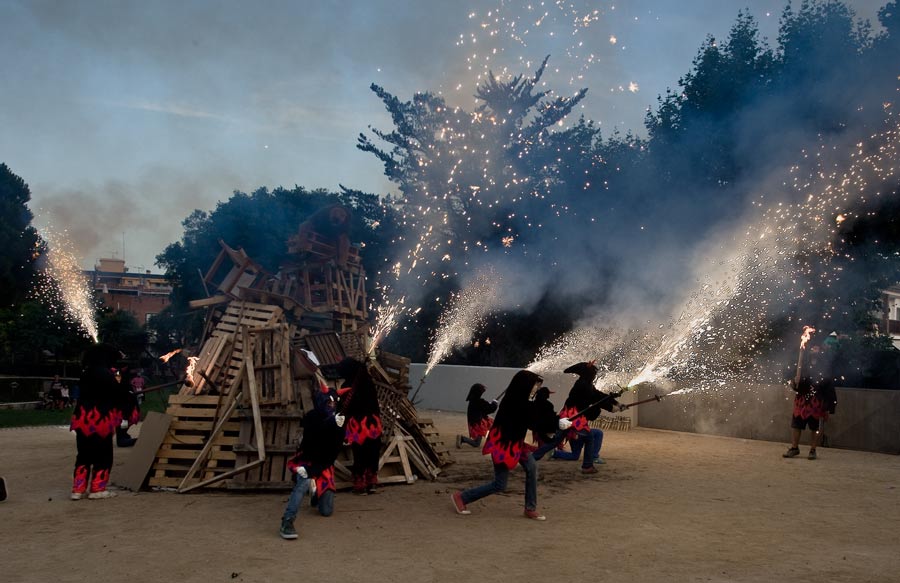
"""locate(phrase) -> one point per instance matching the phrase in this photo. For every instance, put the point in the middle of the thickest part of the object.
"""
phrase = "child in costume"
(478, 416)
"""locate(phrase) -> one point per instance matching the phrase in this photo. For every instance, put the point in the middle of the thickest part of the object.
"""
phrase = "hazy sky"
(124, 116)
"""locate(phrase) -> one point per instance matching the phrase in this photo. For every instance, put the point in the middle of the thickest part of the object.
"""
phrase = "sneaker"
(458, 503)
(371, 490)
(589, 470)
(76, 496)
(599, 461)
(102, 494)
(359, 493)
(287, 531)
(534, 515)
(792, 452)
(812, 455)
(458, 441)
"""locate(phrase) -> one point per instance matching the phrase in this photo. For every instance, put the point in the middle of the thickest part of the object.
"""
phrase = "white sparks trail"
(772, 267)
(464, 315)
(617, 352)
(783, 257)
(63, 286)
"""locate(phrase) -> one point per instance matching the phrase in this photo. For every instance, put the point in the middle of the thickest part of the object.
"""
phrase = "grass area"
(35, 417)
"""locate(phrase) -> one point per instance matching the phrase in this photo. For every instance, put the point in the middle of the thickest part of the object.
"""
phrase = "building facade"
(142, 294)
(890, 317)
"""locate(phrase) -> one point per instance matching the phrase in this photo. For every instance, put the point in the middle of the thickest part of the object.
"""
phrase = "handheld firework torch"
(808, 331)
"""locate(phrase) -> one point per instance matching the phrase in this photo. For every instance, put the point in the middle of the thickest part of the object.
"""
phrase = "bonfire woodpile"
(236, 421)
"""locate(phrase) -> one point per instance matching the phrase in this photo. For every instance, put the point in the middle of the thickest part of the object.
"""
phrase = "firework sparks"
(63, 285)
(464, 315)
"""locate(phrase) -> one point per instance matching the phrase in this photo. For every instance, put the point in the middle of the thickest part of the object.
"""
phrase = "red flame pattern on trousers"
(359, 430)
(481, 428)
(79, 481)
(99, 480)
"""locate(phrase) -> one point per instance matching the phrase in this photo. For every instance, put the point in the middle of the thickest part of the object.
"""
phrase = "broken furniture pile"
(236, 423)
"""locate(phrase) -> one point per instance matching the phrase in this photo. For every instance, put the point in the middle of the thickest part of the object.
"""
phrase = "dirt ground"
(666, 507)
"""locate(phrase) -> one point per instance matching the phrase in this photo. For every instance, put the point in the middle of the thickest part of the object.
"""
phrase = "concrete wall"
(865, 419)
(446, 386)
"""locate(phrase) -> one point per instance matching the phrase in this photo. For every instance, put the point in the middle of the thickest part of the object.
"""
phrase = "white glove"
(124, 424)
(339, 420)
(564, 424)
(622, 408)
(301, 471)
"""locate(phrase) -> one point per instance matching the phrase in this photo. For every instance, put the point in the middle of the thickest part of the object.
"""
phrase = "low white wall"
(865, 419)
(446, 386)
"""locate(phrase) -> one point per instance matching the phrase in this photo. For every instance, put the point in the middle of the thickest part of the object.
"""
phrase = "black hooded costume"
(584, 402)
(363, 426)
(321, 444)
(102, 405)
(506, 440)
(478, 411)
(544, 421)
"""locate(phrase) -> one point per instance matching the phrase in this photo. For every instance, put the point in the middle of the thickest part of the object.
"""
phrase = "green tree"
(18, 238)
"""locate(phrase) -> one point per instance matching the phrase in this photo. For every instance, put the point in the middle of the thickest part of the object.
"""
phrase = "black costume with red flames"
(102, 405)
(363, 427)
(506, 439)
(584, 402)
(321, 443)
(478, 412)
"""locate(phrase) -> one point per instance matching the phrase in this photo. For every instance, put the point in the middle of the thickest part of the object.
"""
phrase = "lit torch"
(189, 371)
(804, 339)
(167, 356)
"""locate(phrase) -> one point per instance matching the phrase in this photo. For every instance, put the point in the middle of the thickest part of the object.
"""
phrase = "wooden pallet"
(280, 433)
(194, 417)
(616, 423)
(436, 440)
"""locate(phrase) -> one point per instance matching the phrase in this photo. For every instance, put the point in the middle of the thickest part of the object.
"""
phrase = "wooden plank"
(224, 476)
(206, 302)
(254, 403)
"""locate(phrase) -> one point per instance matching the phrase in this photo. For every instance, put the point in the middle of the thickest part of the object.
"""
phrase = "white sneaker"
(101, 495)
(76, 496)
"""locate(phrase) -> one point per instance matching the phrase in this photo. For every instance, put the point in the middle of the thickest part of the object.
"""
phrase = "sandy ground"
(666, 507)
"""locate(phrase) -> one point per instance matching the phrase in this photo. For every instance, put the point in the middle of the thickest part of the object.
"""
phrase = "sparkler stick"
(653, 398)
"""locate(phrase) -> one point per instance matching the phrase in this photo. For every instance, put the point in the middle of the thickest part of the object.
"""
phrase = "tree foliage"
(17, 238)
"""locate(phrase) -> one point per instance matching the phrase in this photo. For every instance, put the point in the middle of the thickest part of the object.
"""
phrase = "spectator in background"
(58, 393)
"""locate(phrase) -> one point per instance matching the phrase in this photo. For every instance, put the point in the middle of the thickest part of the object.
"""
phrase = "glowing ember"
(63, 285)
(167, 356)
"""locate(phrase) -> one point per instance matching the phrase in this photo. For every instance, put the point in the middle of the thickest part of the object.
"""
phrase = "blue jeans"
(501, 477)
(542, 449)
(590, 441)
(325, 503)
(301, 487)
(473, 442)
